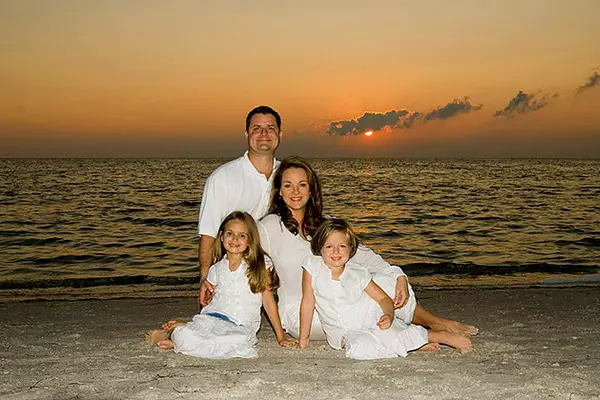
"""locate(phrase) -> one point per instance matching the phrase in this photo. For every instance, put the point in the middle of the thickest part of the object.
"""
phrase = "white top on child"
(233, 296)
(347, 313)
(211, 336)
(340, 303)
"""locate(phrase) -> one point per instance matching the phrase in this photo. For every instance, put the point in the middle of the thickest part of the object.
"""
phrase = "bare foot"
(430, 347)
(169, 325)
(449, 325)
(166, 344)
(456, 340)
(156, 335)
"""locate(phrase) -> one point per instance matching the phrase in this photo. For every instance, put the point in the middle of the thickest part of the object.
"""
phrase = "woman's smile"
(295, 190)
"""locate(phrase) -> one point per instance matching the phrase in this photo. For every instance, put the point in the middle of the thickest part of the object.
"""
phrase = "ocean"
(74, 229)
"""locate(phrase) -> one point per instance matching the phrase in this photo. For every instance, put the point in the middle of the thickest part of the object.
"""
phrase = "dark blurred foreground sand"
(534, 343)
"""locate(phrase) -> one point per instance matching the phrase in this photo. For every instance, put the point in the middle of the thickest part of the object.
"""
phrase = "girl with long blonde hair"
(242, 283)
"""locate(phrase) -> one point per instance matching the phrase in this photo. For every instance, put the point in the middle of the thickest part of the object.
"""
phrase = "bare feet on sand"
(456, 327)
(169, 325)
(456, 340)
(156, 335)
(166, 344)
(430, 347)
(162, 337)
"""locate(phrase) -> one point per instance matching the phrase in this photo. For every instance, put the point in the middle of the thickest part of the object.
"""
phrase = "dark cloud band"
(592, 81)
(523, 103)
(399, 119)
(458, 106)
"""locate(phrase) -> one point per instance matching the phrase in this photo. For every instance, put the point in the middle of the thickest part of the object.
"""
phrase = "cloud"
(592, 81)
(523, 103)
(406, 123)
(455, 107)
(400, 119)
(370, 121)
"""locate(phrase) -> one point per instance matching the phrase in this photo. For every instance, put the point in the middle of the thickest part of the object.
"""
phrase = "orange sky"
(170, 79)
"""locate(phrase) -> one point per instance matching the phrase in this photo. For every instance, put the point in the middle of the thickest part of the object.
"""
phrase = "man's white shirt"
(236, 185)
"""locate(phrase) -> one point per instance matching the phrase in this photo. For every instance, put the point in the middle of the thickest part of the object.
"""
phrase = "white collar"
(249, 164)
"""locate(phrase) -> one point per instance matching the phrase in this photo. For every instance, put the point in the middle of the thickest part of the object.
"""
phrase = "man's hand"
(207, 290)
(401, 292)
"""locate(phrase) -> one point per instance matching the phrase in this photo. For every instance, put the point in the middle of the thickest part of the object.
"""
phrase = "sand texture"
(534, 343)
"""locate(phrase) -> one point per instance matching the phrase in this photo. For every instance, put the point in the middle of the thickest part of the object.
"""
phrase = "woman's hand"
(385, 321)
(303, 343)
(401, 292)
(289, 343)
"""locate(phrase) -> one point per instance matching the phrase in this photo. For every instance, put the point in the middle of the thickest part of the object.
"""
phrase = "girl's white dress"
(227, 327)
(349, 315)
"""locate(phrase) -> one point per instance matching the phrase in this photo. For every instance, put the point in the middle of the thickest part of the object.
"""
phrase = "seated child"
(357, 313)
(227, 327)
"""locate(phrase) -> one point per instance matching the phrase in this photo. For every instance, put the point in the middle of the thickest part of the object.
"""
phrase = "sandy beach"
(534, 343)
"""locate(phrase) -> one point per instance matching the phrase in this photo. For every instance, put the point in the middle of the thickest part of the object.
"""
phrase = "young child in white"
(227, 327)
(356, 313)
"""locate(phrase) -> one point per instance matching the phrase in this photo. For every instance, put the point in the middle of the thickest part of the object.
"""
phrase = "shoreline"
(533, 343)
(182, 291)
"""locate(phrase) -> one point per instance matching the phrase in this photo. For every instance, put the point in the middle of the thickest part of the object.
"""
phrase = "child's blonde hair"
(326, 228)
(254, 255)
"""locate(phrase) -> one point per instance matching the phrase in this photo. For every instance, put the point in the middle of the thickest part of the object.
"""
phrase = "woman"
(295, 213)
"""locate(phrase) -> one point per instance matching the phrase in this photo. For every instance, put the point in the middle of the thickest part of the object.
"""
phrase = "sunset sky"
(154, 78)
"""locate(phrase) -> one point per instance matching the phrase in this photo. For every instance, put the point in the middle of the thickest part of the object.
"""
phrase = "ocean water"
(112, 228)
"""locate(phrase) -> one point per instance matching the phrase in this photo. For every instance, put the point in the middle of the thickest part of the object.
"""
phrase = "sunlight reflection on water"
(113, 217)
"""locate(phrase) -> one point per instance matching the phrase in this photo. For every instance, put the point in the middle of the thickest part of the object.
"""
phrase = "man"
(242, 184)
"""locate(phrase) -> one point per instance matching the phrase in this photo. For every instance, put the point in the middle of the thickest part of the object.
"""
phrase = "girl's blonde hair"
(254, 255)
(329, 226)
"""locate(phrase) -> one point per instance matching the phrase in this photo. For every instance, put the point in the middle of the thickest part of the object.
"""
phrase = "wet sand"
(534, 343)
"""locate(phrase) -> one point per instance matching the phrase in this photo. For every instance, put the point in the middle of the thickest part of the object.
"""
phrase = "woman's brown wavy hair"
(313, 214)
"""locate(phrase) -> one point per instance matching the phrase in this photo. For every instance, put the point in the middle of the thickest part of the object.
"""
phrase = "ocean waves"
(186, 283)
(93, 228)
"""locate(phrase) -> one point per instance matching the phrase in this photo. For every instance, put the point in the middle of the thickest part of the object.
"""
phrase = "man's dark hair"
(263, 110)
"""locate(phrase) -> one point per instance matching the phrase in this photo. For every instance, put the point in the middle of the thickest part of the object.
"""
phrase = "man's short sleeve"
(214, 199)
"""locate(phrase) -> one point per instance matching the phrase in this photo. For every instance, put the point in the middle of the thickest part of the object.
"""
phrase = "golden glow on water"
(121, 228)
(486, 212)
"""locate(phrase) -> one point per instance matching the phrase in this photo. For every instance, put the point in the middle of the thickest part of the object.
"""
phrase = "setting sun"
(368, 133)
